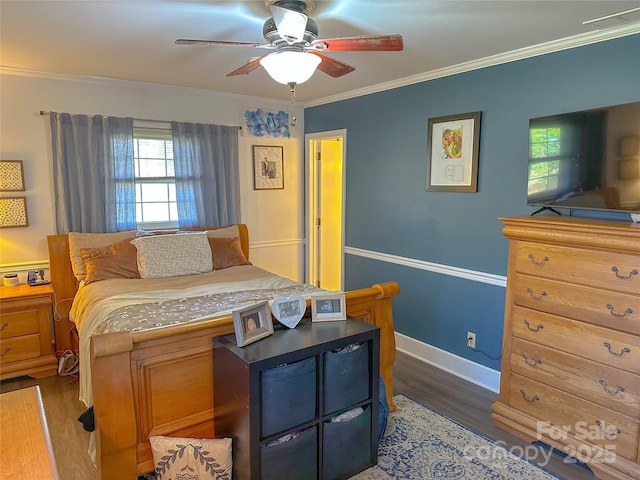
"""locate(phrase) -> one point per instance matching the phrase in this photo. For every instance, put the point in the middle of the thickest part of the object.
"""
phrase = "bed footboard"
(160, 381)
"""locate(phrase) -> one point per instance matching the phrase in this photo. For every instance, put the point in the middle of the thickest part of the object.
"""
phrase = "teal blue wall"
(388, 209)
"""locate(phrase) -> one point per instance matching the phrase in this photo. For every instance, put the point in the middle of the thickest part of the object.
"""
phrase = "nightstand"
(27, 345)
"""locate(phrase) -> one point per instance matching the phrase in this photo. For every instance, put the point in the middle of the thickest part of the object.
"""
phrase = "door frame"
(311, 140)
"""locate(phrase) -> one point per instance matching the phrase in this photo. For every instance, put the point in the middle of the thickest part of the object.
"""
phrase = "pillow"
(225, 232)
(227, 252)
(114, 261)
(78, 241)
(161, 256)
(191, 458)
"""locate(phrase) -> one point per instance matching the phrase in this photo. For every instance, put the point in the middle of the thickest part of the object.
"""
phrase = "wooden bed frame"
(160, 381)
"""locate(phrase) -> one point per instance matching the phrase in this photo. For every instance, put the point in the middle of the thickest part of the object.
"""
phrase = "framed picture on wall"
(452, 153)
(268, 168)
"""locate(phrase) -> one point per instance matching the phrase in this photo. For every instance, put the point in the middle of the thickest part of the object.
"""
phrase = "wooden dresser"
(570, 374)
(26, 332)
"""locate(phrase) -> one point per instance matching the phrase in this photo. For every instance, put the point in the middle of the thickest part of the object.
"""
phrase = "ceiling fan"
(298, 51)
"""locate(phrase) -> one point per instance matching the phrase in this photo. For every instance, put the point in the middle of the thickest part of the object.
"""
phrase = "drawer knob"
(531, 363)
(619, 315)
(541, 262)
(609, 433)
(6, 350)
(536, 297)
(624, 350)
(609, 390)
(4, 325)
(615, 270)
(530, 400)
(539, 327)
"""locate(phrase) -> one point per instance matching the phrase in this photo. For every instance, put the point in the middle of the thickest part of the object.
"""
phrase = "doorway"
(325, 154)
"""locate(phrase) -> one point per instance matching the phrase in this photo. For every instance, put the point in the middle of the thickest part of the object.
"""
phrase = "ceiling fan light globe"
(290, 67)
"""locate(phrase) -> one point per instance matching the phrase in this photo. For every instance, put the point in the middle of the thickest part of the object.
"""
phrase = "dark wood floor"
(444, 393)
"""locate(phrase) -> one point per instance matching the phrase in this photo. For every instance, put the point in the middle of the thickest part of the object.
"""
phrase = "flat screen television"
(586, 160)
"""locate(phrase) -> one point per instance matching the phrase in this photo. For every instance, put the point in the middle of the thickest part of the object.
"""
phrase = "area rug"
(420, 444)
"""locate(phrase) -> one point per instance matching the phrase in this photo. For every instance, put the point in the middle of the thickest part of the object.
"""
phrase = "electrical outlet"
(471, 340)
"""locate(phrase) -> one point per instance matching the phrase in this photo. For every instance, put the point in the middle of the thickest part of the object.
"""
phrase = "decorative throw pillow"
(224, 232)
(78, 241)
(227, 252)
(114, 261)
(191, 458)
(173, 255)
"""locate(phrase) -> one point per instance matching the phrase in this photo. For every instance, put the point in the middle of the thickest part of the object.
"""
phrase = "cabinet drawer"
(593, 268)
(15, 324)
(583, 420)
(19, 348)
(296, 459)
(617, 349)
(600, 307)
(614, 389)
(346, 377)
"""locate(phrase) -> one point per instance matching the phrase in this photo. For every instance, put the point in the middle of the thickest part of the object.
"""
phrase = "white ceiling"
(134, 40)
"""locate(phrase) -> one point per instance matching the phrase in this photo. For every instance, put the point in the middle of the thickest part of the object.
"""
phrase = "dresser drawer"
(19, 348)
(15, 324)
(594, 268)
(617, 349)
(614, 389)
(601, 307)
(584, 421)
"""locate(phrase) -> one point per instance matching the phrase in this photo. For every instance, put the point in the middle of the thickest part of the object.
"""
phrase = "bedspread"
(135, 304)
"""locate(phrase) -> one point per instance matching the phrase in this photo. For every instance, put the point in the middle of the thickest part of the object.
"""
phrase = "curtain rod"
(46, 112)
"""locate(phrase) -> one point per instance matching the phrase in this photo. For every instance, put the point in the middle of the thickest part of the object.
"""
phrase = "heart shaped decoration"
(289, 310)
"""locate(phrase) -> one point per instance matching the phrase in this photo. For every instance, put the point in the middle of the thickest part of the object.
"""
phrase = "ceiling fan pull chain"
(292, 86)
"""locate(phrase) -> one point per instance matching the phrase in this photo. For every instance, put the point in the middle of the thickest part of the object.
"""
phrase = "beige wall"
(274, 217)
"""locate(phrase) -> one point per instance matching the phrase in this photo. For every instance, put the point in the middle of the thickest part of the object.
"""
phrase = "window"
(156, 205)
(543, 174)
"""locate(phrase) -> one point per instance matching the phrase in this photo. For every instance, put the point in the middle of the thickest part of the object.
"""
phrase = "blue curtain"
(206, 171)
(93, 173)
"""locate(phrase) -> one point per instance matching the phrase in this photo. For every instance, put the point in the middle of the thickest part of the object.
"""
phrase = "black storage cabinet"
(290, 385)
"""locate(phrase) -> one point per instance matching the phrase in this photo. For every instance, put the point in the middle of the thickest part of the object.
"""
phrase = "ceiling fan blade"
(221, 43)
(246, 68)
(291, 24)
(388, 43)
(331, 66)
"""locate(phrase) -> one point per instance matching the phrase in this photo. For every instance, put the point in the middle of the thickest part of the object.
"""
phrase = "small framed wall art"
(11, 176)
(252, 323)
(268, 168)
(452, 153)
(326, 308)
(13, 212)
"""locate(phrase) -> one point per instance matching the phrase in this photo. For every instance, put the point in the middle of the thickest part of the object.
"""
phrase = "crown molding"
(519, 54)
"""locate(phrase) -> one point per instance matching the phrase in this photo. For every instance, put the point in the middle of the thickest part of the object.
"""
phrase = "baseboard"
(475, 373)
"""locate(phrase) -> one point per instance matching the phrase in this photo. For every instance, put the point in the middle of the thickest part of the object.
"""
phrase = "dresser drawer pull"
(610, 434)
(4, 325)
(614, 269)
(624, 350)
(619, 315)
(539, 327)
(610, 391)
(530, 400)
(6, 350)
(531, 363)
(536, 297)
(541, 262)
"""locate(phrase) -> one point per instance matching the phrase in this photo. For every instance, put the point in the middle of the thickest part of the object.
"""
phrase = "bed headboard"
(65, 284)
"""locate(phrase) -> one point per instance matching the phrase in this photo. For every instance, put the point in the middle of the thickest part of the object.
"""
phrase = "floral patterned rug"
(420, 444)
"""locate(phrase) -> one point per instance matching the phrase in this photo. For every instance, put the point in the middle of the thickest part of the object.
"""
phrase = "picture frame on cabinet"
(453, 144)
(252, 323)
(327, 308)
